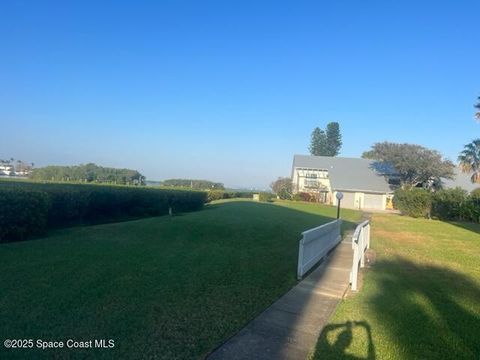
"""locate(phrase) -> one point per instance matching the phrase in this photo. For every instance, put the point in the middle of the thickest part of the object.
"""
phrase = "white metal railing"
(316, 243)
(360, 243)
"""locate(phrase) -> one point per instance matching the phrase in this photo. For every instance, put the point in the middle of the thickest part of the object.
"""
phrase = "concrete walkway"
(290, 327)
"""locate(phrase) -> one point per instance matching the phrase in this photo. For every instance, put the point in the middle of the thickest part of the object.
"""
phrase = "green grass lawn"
(164, 287)
(421, 300)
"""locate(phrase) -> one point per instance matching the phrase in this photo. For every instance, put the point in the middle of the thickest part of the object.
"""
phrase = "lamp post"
(339, 197)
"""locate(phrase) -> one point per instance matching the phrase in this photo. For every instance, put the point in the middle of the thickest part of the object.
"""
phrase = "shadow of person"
(426, 311)
(338, 349)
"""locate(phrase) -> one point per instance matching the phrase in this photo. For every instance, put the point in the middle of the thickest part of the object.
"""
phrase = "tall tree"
(477, 106)
(318, 143)
(469, 160)
(334, 139)
(413, 165)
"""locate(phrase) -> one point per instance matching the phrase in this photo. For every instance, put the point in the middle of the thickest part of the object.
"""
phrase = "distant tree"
(194, 184)
(326, 143)
(469, 160)
(334, 139)
(477, 106)
(89, 173)
(282, 187)
(414, 165)
(318, 142)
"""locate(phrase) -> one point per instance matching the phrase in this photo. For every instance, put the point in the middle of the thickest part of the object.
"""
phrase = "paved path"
(290, 327)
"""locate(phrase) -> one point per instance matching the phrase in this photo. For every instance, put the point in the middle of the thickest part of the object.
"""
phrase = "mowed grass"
(164, 287)
(421, 300)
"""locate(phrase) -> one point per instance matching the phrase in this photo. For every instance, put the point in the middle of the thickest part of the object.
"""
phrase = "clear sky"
(231, 90)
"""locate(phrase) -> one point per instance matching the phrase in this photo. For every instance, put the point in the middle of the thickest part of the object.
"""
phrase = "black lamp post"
(339, 197)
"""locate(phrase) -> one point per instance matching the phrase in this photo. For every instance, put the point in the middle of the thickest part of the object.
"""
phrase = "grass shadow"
(424, 311)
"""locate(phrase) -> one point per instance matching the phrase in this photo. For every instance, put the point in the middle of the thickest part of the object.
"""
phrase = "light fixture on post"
(339, 197)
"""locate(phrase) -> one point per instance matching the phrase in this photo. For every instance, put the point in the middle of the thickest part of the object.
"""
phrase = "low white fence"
(316, 243)
(360, 243)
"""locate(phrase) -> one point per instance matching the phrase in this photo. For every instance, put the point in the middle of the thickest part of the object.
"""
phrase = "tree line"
(89, 173)
(193, 184)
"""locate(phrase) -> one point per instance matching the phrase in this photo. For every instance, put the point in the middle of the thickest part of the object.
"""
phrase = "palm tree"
(477, 106)
(469, 160)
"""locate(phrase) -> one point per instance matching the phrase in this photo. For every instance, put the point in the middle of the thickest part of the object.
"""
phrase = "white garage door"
(373, 201)
(348, 200)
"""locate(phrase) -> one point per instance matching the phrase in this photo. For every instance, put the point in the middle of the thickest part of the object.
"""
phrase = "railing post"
(368, 236)
(362, 247)
(354, 273)
(360, 242)
(300, 259)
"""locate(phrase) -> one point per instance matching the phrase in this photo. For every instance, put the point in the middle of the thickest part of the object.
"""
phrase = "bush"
(447, 204)
(415, 202)
(475, 193)
(77, 204)
(284, 194)
(23, 213)
(470, 210)
(303, 196)
(266, 197)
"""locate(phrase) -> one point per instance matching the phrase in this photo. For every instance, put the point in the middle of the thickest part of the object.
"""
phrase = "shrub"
(23, 213)
(304, 196)
(284, 194)
(470, 210)
(475, 193)
(447, 204)
(266, 196)
(414, 202)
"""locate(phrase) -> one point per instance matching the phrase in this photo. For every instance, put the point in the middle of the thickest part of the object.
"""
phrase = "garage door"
(348, 200)
(373, 201)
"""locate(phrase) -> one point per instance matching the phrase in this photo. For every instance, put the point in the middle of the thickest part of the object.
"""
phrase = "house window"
(311, 183)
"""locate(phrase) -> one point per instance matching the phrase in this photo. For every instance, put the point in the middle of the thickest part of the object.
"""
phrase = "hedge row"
(448, 204)
(27, 209)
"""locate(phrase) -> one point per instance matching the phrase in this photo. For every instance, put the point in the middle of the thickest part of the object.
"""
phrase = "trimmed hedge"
(415, 202)
(23, 213)
(447, 204)
(70, 204)
(266, 197)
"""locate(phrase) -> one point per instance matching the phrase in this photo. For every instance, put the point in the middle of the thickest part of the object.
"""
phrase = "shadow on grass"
(467, 226)
(429, 312)
(338, 348)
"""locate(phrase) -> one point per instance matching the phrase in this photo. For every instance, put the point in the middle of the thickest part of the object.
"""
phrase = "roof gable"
(346, 173)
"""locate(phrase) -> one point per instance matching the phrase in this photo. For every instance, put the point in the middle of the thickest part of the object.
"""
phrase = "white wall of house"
(361, 200)
(312, 181)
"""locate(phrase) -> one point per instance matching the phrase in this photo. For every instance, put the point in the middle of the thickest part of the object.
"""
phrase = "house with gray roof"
(363, 187)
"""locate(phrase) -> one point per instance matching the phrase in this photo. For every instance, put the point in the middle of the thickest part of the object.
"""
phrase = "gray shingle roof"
(461, 180)
(346, 173)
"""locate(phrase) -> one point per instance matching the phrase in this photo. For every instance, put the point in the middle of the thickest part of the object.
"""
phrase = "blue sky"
(230, 90)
